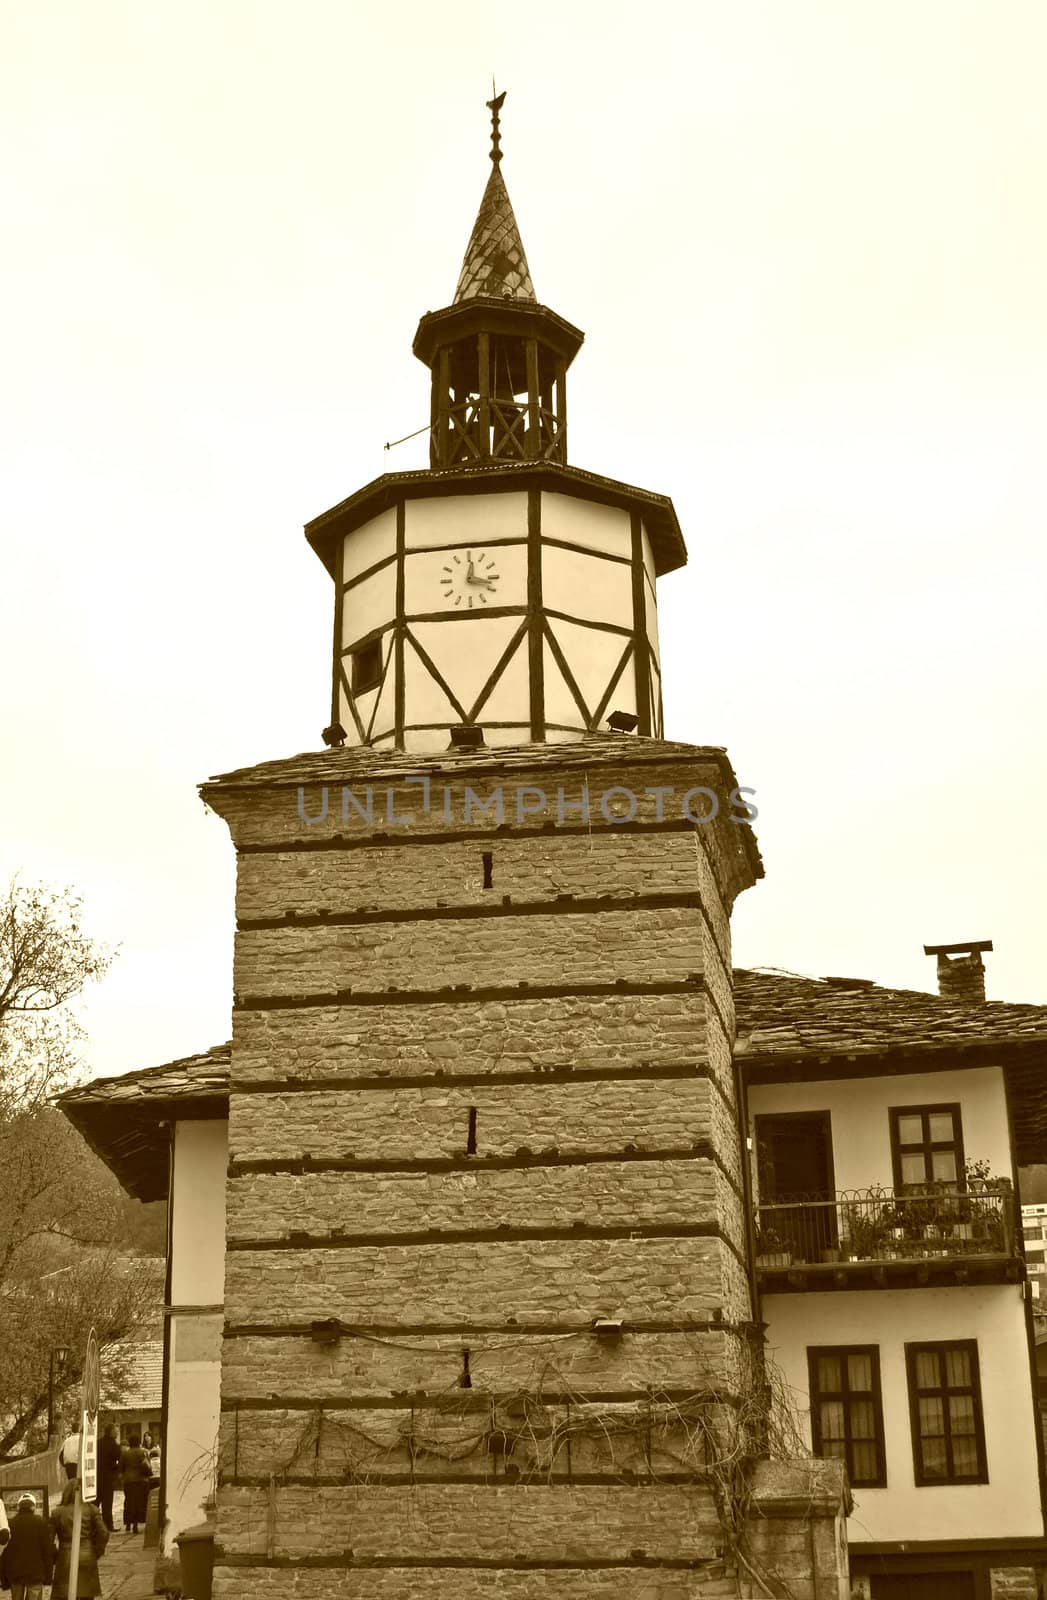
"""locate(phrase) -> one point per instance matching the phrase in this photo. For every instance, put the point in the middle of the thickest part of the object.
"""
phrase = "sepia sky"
(806, 240)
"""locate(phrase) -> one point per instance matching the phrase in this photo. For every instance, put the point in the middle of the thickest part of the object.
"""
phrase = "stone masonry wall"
(457, 1176)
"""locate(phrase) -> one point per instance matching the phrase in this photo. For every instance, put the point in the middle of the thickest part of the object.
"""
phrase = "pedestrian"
(70, 1455)
(108, 1469)
(134, 1464)
(27, 1560)
(94, 1536)
(147, 1441)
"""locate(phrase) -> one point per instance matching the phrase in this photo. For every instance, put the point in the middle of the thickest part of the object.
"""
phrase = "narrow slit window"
(488, 863)
(366, 667)
(470, 1140)
(465, 1381)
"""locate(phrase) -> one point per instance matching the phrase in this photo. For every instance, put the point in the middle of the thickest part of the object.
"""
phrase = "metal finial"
(494, 107)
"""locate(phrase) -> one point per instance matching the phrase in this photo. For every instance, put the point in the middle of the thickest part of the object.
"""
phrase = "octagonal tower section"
(519, 600)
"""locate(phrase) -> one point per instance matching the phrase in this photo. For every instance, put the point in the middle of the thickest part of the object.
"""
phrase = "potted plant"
(865, 1233)
(771, 1250)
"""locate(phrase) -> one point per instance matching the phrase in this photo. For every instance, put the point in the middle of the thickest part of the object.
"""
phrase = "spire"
(495, 266)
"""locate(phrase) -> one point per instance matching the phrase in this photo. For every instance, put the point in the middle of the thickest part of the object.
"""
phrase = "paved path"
(127, 1567)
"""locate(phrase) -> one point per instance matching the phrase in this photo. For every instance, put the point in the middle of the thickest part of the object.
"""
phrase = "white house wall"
(1008, 1506)
(195, 1343)
(858, 1108)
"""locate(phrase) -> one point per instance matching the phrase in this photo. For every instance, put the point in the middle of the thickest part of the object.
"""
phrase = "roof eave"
(667, 543)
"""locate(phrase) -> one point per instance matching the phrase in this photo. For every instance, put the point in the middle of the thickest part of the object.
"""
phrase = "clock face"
(469, 579)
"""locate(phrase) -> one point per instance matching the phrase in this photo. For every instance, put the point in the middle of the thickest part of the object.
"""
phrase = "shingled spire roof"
(495, 266)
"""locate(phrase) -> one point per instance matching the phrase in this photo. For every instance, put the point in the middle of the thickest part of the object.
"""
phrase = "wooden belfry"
(498, 359)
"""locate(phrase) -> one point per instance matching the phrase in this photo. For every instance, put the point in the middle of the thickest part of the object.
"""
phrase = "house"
(164, 1133)
(887, 1130)
(465, 1290)
(1034, 1232)
(135, 1405)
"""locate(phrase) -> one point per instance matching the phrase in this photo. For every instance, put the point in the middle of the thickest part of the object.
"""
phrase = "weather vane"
(494, 107)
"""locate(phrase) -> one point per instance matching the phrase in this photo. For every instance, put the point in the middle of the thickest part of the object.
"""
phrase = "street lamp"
(56, 1361)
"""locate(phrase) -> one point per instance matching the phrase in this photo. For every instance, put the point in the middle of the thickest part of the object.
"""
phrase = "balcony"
(874, 1238)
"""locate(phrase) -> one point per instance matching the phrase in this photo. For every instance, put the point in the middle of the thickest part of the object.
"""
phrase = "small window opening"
(465, 1381)
(488, 861)
(470, 1143)
(367, 667)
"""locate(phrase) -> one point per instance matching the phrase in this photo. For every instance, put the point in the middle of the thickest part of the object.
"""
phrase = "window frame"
(816, 1394)
(938, 1347)
(927, 1144)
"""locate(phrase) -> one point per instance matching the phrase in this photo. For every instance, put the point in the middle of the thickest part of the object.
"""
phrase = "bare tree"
(62, 1214)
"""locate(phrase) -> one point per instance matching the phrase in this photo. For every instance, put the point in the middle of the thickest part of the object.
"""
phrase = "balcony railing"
(863, 1225)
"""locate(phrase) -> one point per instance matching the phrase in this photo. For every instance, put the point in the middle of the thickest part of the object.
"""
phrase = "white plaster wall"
(465, 519)
(560, 704)
(1009, 1504)
(466, 652)
(371, 542)
(587, 586)
(197, 1279)
(201, 1151)
(861, 1134)
(191, 1442)
(369, 604)
(586, 523)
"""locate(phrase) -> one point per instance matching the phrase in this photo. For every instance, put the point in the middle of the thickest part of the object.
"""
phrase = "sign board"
(89, 1420)
(88, 1445)
(89, 1455)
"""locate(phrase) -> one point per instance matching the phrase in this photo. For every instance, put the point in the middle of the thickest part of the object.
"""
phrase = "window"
(926, 1145)
(945, 1408)
(846, 1410)
(367, 666)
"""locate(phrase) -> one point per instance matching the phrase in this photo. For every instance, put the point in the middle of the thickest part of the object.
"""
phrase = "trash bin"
(196, 1559)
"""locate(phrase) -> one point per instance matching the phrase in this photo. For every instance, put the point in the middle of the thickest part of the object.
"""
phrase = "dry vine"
(545, 1430)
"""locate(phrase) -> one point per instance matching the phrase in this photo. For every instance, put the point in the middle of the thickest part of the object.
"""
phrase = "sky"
(806, 240)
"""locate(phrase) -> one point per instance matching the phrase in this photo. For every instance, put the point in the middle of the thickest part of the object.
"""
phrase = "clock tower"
(503, 589)
(489, 1315)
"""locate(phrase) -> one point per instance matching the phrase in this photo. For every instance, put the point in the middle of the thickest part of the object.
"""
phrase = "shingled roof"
(142, 1367)
(124, 1119)
(791, 1026)
(783, 1016)
(361, 762)
(787, 1025)
(495, 266)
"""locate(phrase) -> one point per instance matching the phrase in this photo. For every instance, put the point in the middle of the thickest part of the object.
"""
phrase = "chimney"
(961, 975)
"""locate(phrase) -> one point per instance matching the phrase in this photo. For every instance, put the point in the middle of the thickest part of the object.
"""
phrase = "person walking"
(134, 1464)
(27, 1560)
(93, 1541)
(94, 1536)
(70, 1454)
(108, 1467)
